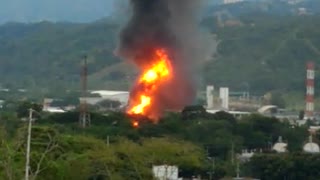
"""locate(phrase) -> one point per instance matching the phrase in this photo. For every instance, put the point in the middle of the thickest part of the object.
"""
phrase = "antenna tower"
(84, 117)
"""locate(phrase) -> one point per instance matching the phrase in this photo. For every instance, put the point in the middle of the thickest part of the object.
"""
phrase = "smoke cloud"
(174, 26)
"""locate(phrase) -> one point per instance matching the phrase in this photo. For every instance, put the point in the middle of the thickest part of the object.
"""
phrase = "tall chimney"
(309, 91)
(224, 96)
(210, 97)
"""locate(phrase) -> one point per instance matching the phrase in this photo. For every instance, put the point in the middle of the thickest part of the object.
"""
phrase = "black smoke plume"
(171, 25)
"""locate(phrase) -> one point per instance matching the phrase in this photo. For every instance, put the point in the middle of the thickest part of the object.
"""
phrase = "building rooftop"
(108, 93)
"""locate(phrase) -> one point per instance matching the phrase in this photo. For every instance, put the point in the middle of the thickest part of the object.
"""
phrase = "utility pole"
(211, 174)
(232, 153)
(27, 168)
(108, 141)
(238, 170)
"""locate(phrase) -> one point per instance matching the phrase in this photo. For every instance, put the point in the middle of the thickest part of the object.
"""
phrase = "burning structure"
(161, 40)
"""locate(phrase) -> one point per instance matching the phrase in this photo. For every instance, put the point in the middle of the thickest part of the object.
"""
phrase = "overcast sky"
(54, 10)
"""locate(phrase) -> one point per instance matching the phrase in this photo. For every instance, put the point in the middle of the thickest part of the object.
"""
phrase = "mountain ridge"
(259, 52)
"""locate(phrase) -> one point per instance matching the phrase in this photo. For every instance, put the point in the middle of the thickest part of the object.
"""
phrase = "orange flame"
(150, 79)
(144, 102)
(135, 124)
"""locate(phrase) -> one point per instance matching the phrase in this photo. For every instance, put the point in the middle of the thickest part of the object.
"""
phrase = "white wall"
(210, 90)
(165, 172)
(224, 96)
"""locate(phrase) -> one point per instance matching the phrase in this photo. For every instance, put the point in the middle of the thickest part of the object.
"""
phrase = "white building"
(48, 108)
(231, 1)
(54, 110)
(245, 156)
(121, 96)
(209, 93)
(293, 2)
(236, 114)
(166, 172)
(224, 96)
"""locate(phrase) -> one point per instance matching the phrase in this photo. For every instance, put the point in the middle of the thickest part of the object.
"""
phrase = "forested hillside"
(265, 52)
(261, 52)
(35, 54)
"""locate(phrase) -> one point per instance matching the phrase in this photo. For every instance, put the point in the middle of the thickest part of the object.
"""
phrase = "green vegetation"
(112, 149)
(33, 55)
(289, 166)
(263, 53)
(257, 52)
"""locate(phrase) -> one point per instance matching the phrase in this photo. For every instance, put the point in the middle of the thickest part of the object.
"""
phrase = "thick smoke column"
(170, 25)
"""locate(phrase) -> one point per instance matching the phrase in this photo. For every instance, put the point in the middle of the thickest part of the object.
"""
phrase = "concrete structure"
(91, 100)
(165, 172)
(311, 147)
(293, 2)
(280, 147)
(54, 110)
(46, 103)
(51, 109)
(209, 93)
(237, 114)
(84, 115)
(268, 109)
(224, 96)
(121, 96)
(309, 109)
(231, 1)
(246, 155)
(314, 129)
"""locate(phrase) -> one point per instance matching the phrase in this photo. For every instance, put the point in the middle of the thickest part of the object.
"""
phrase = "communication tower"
(84, 116)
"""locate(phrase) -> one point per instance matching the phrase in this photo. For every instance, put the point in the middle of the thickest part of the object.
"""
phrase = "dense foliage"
(32, 55)
(112, 149)
(286, 166)
(265, 53)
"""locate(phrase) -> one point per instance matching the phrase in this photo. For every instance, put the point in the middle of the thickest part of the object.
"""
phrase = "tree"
(285, 166)
(24, 106)
(9, 159)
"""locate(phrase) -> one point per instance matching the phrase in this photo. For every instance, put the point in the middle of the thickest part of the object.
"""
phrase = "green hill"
(259, 52)
(265, 52)
(41, 53)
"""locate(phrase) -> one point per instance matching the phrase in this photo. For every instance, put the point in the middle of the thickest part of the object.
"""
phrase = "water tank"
(311, 147)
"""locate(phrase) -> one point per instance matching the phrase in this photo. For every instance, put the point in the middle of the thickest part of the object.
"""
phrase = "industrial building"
(231, 1)
(121, 96)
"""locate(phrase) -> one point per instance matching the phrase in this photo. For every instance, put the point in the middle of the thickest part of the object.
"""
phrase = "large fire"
(159, 71)
(161, 38)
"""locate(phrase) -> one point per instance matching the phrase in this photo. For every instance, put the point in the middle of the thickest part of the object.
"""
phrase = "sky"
(54, 10)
